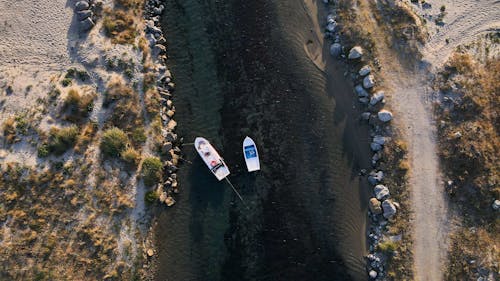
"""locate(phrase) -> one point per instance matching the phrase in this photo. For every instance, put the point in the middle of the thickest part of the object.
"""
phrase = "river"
(260, 68)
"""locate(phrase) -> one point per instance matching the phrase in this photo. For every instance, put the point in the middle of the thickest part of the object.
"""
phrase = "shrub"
(152, 102)
(60, 140)
(151, 196)
(151, 170)
(387, 246)
(66, 82)
(131, 156)
(138, 136)
(113, 142)
(120, 26)
(43, 150)
(76, 106)
(9, 130)
(126, 113)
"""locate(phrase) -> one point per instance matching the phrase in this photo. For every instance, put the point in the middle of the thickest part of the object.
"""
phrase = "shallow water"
(259, 68)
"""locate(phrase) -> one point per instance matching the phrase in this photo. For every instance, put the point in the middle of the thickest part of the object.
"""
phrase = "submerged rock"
(335, 49)
(381, 191)
(373, 274)
(362, 93)
(384, 115)
(496, 205)
(355, 53)
(82, 5)
(389, 209)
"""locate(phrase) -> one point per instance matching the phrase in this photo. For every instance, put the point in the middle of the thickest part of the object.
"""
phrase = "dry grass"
(120, 26)
(76, 107)
(9, 130)
(469, 140)
(124, 104)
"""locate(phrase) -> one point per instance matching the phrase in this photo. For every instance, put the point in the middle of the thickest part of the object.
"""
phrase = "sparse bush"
(151, 196)
(138, 136)
(114, 141)
(387, 246)
(126, 112)
(43, 150)
(442, 8)
(9, 130)
(66, 82)
(88, 132)
(60, 140)
(152, 102)
(131, 156)
(120, 26)
(151, 170)
(77, 107)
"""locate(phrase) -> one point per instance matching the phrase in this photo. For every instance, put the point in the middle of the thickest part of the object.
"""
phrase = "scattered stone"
(375, 147)
(86, 24)
(364, 100)
(384, 115)
(163, 197)
(381, 192)
(170, 113)
(457, 135)
(365, 115)
(81, 15)
(165, 148)
(150, 252)
(373, 274)
(374, 206)
(379, 139)
(331, 26)
(369, 81)
(82, 5)
(389, 209)
(362, 93)
(335, 49)
(496, 205)
(365, 70)
(355, 53)
(171, 125)
(375, 177)
(377, 97)
(169, 201)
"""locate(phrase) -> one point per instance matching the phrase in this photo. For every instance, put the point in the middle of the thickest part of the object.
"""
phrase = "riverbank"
(85, 128)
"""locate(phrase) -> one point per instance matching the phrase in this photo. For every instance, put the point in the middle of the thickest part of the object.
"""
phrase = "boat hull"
(251, 155)
(211, 157)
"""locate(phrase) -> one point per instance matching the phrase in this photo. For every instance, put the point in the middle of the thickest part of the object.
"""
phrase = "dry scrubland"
(76, 152)
(469, 140)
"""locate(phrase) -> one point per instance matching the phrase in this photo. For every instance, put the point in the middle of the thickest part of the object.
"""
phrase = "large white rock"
(384, 115)
(378, 96)
(365, 70)
(373, 274)
(389, 209)
(496, 205)
(381, 191)
(369, 81)
(355, 53)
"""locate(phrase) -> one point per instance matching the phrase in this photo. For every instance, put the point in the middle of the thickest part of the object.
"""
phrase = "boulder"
(335, 49)
(166, 146)
(365, 115)
(170, 113)
(381, 191)
(389, 209)
(171, 125)
(373, 274)
(384, 115)
(375, 177)
(496, 205)
(377, 97)
(150, 252)
(375, 146)
(379, 139)
(355, 53)
(374, 206)
(86, 24)
(169, 201)
(365, 70)
(81, 15)
(81, 5)
(331, 26)
(369, 81)
(362, 93)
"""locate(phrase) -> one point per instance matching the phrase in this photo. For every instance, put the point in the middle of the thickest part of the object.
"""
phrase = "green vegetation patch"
(114, 141)
(151, 170)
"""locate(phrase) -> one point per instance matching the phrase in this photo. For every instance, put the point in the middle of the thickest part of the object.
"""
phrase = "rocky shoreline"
(371, 97)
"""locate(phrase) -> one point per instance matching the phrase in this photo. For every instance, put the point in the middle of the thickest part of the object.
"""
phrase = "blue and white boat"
(251, 155)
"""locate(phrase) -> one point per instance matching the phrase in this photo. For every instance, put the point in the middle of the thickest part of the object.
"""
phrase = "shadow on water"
(240, 69)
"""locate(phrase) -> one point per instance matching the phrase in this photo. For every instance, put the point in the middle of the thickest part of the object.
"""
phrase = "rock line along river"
(260, 68)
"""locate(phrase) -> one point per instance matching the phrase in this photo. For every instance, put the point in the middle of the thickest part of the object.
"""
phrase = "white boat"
(212, 158)
(251, 155)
